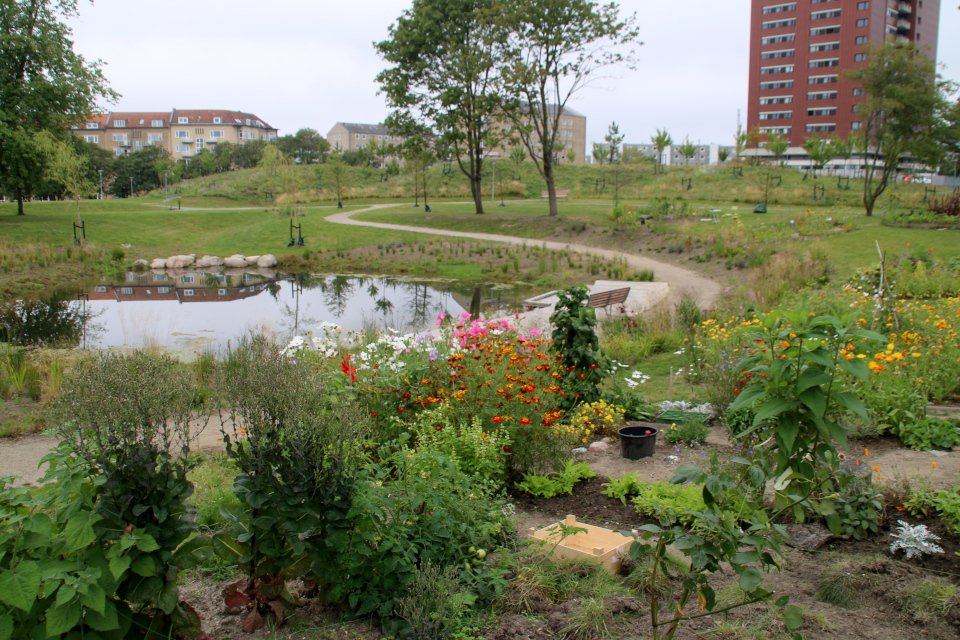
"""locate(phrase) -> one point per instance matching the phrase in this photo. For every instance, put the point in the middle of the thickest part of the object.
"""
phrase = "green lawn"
(156, 232)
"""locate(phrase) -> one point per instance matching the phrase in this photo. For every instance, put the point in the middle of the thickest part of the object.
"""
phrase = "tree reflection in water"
(57, 321)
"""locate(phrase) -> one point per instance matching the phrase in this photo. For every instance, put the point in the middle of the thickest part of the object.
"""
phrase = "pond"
(192, 311)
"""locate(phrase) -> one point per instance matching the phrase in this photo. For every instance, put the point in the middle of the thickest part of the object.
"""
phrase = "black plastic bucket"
(637, 441)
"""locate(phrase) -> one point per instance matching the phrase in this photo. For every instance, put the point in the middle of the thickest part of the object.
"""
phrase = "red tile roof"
(138, 118)
(206, 116)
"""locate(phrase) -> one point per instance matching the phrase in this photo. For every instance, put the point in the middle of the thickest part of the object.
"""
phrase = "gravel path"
(679, 279)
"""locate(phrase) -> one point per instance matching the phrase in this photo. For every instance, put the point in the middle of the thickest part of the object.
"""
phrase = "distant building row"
(182, 132)
(349, 136)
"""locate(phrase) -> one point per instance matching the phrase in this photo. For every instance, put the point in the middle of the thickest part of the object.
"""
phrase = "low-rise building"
(183, 133)
(351, 136)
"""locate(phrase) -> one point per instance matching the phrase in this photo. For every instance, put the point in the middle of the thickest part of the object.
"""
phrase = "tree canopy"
(43, 85)
(904, 108)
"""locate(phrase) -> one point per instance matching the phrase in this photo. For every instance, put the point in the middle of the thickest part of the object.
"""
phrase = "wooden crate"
(598, 544)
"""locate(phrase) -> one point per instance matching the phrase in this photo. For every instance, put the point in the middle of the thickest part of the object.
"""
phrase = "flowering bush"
(594, 419)
(475, 450)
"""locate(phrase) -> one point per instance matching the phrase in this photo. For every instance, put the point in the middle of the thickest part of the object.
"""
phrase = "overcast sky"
(310, 63)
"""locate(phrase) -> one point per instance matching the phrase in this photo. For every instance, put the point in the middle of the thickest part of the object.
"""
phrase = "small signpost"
(79, 233)
(298, 241)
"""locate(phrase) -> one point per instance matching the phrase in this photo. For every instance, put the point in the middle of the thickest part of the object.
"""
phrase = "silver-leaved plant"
(914, 540)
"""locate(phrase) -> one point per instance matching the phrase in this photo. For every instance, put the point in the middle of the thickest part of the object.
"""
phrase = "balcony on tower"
(905, 9)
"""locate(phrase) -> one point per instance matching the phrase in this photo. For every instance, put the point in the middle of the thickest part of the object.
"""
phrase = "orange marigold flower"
(526, 421)
(498, 419)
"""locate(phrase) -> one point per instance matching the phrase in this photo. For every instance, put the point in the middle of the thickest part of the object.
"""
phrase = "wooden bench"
(607, 299)
(560, 194)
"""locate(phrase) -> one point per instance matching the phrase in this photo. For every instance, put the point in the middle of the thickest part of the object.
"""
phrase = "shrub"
(558, 483)
(669, 503)
(117, 255)
(595, 419)
(692, 431)
(294, 437)
(575, 341)
(930, 433)
(434, 604)
(858, 506)
(474, 450)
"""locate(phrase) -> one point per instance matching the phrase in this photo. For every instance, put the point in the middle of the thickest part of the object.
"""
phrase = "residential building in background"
(800, 52)
(571, 136)
(350, 136)
(182, 132)
(705, 154)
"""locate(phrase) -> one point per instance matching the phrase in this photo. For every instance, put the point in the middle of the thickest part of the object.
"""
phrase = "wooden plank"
(560, 194)
(609, 298)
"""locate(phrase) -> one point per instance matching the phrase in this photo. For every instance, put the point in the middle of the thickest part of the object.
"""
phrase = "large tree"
(554, 49)
(444, 76)
(43, 85)
(905, 103)
(306, 146)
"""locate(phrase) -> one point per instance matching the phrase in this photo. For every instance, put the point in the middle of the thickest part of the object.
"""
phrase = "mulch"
(588, 504)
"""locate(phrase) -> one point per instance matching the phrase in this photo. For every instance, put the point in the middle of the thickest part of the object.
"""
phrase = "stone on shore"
(267, 261)
(235, 261)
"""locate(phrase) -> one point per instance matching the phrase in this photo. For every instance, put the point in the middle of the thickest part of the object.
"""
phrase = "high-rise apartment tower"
(800, 51)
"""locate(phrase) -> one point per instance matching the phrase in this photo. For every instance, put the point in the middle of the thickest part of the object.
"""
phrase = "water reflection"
(163, 309)
(57, 321)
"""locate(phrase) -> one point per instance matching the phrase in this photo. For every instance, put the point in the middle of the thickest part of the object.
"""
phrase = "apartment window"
(858, 91)
(824, 95)
(856, 108)
(119, 137)
(822, 79)
(119, 151)
(860, 57)
(199, 144)
(221, 292)
(99, 289)
(218, 120)
(364, 136)
(786, 53)
(768, 70)
(863, 6)
(821, 128)
(817, 64)
(777, 100)
(92, 139)
(93, 125)
(198, 131)
(356, 136)
(780, 8)
(780, 130)
(154, 137)
(826, 46)
(856, 125)
(183, 120)
(119, 123)
(785, 84)
(188, 292)
(862, 22)
(156, 123)
(825, 15)
(825, 31)
(127, 291)
(136, 134)
(186, 279)
(776, 115)
(862, 39)
(163, 290)
(180, 148)
(779, 24)
(775, 40)
(819, 113)
(159, 277)
(182, 134)
(217, 133)
(249, 124)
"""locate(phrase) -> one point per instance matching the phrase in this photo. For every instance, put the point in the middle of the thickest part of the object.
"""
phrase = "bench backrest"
(560, 194)
(609, 298)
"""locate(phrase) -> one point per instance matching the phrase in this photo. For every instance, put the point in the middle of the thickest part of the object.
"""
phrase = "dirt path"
(678, 278)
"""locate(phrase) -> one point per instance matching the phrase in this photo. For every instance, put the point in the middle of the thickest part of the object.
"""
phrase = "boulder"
(599, 447)
(267, 261)
(251, 260)
(235, 262)
(179, 262)
(214, 261)
(269, 274)
(579, 450)
(141, 265)
(159, 263)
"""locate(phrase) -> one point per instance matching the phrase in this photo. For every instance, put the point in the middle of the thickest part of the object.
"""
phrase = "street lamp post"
(100, 171)
(493, 155)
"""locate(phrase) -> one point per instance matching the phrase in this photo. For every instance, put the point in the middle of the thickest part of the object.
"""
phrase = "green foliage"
(128, 419)
(117, 255)
(591, 618)
(924, 502)
(930, 433)
(858, 506)
(474, 450)
(843, 581)
(213, 488)
(412, 508)
(435, 603)
(294, 440)
(623, 487)
(692, 431)
(556, 484)
(791, 381)
(575, 339)
(925, 600)
(670, 503)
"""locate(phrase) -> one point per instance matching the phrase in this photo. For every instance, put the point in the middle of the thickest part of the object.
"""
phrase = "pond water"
(193, 311)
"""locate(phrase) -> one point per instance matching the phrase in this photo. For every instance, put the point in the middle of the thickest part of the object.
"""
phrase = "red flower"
(736, 390)
(498, 419)
(373, 415)
(524, 420)
(347, 369)
(439, 428)
(506, 449)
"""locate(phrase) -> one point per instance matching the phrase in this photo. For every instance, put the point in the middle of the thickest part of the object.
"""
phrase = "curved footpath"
(678, 278)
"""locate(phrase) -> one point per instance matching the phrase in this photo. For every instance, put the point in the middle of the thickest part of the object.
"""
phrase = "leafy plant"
(557, 483)
(128, 419)
(858, 505)
(930, 433)
(924, 502)
(692, 431)
(294, 441)
(620, 488)
(575, 340)
(472, 448)
(595, 419)
(670, 503)
(914, 540)
(435, 603)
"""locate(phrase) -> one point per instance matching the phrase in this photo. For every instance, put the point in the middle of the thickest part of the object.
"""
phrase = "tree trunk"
(476, 189)
(551, 185)
(20, 202)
